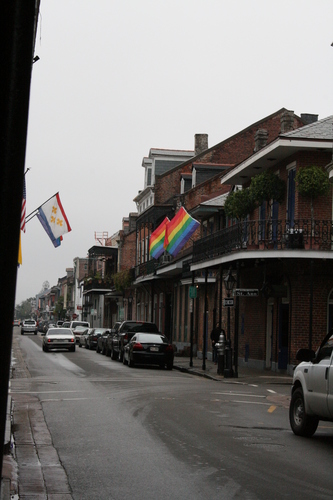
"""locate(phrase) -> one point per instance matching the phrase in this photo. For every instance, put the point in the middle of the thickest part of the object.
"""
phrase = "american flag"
(23, 209)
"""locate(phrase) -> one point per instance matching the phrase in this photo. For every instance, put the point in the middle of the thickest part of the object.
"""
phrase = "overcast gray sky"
(116, 78)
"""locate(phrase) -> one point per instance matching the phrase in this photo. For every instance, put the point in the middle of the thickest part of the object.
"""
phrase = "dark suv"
(124, 334)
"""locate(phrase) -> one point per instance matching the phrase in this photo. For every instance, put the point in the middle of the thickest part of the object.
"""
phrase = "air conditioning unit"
(166, 259)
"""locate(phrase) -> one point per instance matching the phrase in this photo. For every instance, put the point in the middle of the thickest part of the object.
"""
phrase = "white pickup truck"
(312, 390)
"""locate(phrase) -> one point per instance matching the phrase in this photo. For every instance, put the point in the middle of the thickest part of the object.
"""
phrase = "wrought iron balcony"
(146, 268)
(97, 284)
(266, 234)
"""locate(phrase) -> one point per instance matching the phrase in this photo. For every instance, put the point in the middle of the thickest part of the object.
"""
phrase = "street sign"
(246, 292)
(193, 292)
(228, 302)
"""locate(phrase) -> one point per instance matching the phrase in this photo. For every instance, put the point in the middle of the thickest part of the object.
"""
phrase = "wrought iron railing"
(266, 234)
(146, 268)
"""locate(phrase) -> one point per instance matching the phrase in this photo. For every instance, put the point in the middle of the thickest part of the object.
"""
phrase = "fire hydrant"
(220, 347)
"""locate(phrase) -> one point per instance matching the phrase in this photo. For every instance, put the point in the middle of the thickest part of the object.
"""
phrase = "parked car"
(92, 338)
(101, 341)
(29, 326)
(149, 348)
(124, 334)
(73, 324)
(312, 389)
(83, 337)
(16, 322)
(78, 331)
(112, 333)
(59, 338)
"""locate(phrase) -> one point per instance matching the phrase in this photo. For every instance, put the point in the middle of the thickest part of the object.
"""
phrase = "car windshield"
(140, 327)
(29, 322)
(57, 332)
(150, 338)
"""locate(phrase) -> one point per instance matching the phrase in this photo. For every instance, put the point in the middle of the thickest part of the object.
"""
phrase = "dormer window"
(149, 176)
(185, 183)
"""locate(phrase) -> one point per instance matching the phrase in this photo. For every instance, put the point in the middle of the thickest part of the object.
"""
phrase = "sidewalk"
(246, 375)
(31, 466)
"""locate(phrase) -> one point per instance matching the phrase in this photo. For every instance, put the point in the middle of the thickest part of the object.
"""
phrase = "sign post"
(246, 292)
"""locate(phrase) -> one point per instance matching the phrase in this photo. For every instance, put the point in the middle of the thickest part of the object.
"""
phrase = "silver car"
(59, 338)
(29, 326)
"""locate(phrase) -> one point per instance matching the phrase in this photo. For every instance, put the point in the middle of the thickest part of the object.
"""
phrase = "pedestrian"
(214, 336)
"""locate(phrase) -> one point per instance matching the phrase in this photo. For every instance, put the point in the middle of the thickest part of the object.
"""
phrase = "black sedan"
(101, 341)
(149, 348)
(92, 338)
(59, 338)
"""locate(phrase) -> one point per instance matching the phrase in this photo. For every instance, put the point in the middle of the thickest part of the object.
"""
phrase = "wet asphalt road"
(147, 433)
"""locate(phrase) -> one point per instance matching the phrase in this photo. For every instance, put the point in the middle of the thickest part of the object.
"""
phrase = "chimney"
(260, 139)
(200, 143)
(308, 118)
(287, 122)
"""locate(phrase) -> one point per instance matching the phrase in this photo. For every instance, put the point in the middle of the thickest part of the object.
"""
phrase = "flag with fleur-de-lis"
(53, 219)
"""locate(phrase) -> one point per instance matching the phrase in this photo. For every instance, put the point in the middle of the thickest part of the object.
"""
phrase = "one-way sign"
(246, 292)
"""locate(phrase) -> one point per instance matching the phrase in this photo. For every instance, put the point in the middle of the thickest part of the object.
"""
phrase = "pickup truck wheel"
(301, 423)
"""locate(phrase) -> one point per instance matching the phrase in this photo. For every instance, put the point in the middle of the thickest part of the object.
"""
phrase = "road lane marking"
(270, 390)
(251, 402)
(238, 394)
(271, 409)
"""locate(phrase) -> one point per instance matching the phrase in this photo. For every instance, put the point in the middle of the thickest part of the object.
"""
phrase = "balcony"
(303, 234)
(146, 268)
(97, 284)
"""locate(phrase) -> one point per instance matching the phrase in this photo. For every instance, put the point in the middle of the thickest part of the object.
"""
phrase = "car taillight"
(137, 346)
(125, 336)
(72, 340)
(169, 348)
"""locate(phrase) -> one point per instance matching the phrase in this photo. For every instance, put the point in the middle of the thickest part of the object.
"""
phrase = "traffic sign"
(229, 302)
(246, 292)
(193, 292)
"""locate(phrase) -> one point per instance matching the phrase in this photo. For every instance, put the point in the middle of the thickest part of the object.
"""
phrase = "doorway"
(283, 336)
(269, 333)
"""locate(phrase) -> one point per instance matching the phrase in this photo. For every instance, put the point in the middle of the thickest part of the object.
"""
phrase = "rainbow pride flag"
(178, 231)
(156, 241)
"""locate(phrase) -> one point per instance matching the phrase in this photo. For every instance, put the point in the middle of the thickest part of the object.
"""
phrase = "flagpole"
(34, 212)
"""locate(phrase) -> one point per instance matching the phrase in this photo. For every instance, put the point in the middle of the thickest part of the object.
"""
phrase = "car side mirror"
(305, 355)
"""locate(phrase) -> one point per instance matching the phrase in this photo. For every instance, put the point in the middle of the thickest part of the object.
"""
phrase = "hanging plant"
(122, 280)
(239, 204)
(267, 187)
(312, 182)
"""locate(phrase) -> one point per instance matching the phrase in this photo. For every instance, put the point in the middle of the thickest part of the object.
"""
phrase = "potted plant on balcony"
(268, 188)
(312, 182)
(238, 205)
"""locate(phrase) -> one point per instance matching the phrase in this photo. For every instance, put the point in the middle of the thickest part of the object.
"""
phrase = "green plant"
(59, 308)
(267, 187)
(239, 204)
(122, 280)
(312, 182)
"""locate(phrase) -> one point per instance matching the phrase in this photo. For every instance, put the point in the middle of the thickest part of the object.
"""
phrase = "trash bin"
(228, 371)
(220, 348)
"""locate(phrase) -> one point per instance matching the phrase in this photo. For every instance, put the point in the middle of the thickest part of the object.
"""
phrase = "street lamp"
(229, 283)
